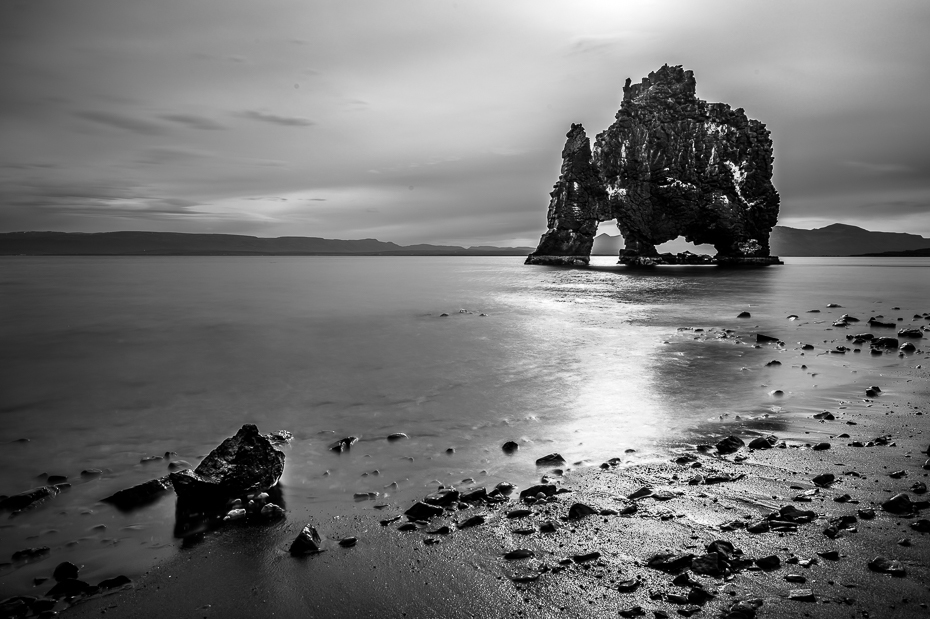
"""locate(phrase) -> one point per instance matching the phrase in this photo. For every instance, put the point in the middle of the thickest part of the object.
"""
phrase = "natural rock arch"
(670, 165)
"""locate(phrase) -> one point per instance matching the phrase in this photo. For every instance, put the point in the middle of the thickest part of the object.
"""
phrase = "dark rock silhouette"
(670, 165)
(246, 462)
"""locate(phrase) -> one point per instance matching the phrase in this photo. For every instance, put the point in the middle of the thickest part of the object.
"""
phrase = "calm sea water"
(108, 360)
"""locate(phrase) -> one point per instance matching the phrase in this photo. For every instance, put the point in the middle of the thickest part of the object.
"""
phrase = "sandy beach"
(644, 505)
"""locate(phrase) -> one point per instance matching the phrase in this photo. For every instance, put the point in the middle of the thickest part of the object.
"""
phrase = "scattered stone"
(760, 338)
(921, 526)
(771, 562)
(587, 556)
(729, 445)
(668, 562)
(308, 541)
(744, 315)
(899, 504)
(827, 416)
(824, 480)
(580, 510)
(389, 521)
(474, 521)
(633, 611)
(235, 514)
(821, 446)
(546, 489)
(140, 495)
(795, 578)
(628, 586)
(763, 442)
(552, 459)
(271, 511)
(801, 595)
(423, 511)
(773, 363)
(348, 542)
(550, 526)
(829, 555)
(919, 487)
(519, 513)
(396, 436)
(28, 499)
(244, 463)
(510, 447)
(443, 530)
(887, 566)
(520, 553)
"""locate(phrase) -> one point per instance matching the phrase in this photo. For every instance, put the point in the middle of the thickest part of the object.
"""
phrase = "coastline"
(240, 570)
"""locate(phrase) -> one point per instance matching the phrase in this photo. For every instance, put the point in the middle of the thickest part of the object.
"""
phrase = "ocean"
(108, 360)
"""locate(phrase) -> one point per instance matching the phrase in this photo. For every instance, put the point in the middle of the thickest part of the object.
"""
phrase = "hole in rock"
(607, 241)
(680, 245)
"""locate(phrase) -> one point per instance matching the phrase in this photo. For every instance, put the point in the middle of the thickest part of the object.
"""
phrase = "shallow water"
(108, 360)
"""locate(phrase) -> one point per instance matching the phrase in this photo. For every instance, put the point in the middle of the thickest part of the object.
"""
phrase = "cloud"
(194, 122)
(120, 121)
(276, 119)
(168, 155)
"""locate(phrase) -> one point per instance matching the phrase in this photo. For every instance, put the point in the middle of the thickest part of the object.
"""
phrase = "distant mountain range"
(833, 240)
(182, 244)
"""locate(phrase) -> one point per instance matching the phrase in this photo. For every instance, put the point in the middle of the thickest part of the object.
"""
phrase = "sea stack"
(670, 165)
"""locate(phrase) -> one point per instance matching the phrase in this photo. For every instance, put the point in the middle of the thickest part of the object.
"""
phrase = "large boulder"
(247, 462)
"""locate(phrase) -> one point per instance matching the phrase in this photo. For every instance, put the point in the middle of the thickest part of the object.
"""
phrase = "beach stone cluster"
(670, 165)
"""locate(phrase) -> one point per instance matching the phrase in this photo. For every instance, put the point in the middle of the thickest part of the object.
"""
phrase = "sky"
(432, 121)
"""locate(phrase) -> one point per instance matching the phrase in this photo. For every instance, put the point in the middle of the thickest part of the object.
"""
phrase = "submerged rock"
(28, 499)
(246, 462)
(65, 570)
(553, 459)
(140, 495)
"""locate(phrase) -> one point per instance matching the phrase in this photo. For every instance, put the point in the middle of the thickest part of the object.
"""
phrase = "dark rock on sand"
(308, 541)
(825, 416)
(348, 542)
(71, 587)
(885, 342)
(474, 521)
(744, 315)
(579, 510)
(28, 499)
(65, 570)
(510, 447)
(423, 511)
(761, 338)
(113, 583)
(396, 436)
(763, 442)
(821, 446)
(730, 444)
(475, 496)
(921, 526)
(91, 473)
(899, 504)
(140, 495)
(916, 333)
(669, 562)
(824, 479)
(553, 459)
(773, 363)
(520, 553)
(408, 526)
(533, 491)
(446, 496)
(519, 513)
(246, 462)
(771, 562)
(887, 566)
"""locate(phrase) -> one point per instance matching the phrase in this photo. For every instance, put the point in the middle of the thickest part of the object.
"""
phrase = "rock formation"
(670, 165)
(246, 462)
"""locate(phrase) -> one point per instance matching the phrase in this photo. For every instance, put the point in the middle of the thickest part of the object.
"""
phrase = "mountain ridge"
(832, 240)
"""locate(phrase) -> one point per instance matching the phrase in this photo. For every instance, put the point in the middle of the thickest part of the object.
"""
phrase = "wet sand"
(246, 570)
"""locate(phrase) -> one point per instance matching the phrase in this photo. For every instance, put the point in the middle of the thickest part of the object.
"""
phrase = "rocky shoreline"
(823, 514)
